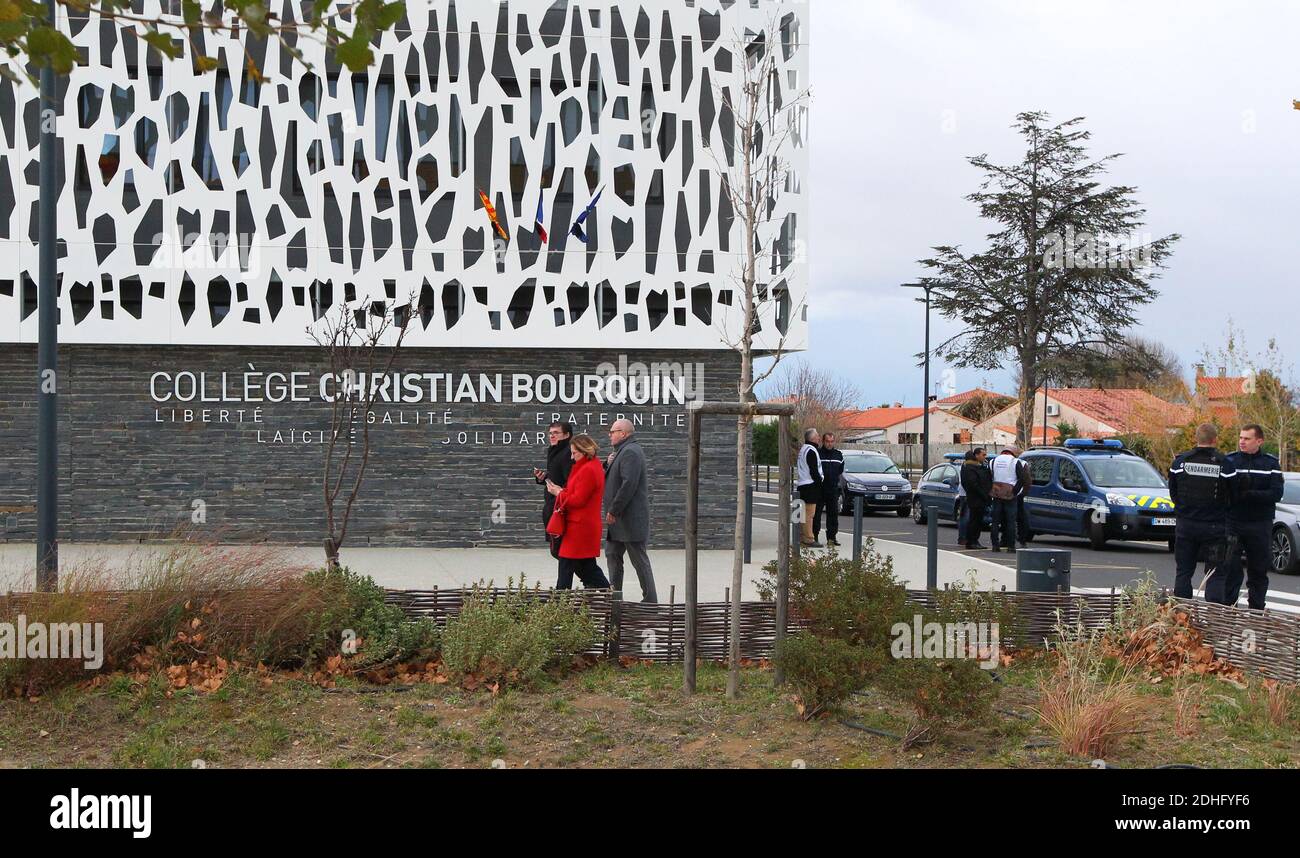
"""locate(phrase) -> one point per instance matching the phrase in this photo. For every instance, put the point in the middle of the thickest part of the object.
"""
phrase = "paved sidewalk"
(424, 568)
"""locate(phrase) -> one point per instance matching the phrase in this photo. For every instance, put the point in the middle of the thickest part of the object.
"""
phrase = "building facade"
(536, 190)
(902, 426)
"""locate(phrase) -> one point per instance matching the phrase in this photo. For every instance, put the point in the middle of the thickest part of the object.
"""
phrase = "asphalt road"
(1120, 564)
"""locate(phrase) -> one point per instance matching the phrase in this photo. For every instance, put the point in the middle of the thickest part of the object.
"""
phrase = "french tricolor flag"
(537, 225)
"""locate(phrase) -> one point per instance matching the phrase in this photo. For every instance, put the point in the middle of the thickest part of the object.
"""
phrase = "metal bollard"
(932, 549)
(749, 522)
(857, 528)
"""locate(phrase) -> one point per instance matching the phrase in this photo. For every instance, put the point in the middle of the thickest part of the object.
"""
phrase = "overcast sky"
(1197, 94)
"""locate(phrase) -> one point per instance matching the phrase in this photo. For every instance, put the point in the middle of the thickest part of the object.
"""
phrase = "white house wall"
(125, 257)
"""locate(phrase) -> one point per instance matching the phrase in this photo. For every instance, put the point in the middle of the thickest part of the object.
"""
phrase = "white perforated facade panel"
(206, 209)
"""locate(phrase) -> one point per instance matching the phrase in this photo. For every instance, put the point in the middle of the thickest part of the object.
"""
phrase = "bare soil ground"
(605, 716)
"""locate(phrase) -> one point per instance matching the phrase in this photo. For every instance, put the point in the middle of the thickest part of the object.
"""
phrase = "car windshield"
(1291, 492)
(869, 465)
(1121, 471)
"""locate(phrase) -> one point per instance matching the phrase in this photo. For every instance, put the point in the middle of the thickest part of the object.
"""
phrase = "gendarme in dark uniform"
(1250, 521)
(1201, 485)
(832, 468)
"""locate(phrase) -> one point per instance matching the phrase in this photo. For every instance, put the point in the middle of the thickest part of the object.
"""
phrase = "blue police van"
(1097, 490)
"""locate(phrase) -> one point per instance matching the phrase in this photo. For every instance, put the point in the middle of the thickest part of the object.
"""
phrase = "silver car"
(1286, 527)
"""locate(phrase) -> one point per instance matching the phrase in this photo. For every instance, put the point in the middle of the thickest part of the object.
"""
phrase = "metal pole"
(857, 528)
(925, 394)
(1031, 433)
(749, 523)
(783, 536)
(932, 549)
(47, 356)
(692, 550)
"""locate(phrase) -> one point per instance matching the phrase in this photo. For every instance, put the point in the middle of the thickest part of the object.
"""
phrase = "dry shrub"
(188, 602)
(1159, 637)
(1188, 700)
(1171, 646)
(1088, 705)
(1281, 697)
(195, 600)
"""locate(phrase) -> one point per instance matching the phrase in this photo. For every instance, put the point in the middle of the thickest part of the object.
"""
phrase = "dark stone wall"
(128, 471)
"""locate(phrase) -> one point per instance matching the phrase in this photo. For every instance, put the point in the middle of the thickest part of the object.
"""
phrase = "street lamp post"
(47, 349)
(925, 398)
(925, 391)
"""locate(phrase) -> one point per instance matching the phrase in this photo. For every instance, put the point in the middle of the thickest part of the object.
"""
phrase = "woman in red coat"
(581, 498)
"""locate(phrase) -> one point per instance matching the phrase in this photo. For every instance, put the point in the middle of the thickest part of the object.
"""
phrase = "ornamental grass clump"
(1090, 703)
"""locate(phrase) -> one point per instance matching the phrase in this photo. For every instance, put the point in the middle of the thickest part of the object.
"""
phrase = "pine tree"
(1065, 272)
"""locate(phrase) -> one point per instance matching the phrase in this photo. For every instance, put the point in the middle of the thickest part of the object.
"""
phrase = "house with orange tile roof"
(901, 425)
(1095, 413)
(948, 403)
(1005, 436)
(1218, 395)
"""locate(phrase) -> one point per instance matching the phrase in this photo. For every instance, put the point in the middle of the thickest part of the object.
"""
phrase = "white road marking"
(1200, 594)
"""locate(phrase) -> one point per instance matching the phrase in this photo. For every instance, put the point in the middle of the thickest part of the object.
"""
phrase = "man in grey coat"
(627, 510)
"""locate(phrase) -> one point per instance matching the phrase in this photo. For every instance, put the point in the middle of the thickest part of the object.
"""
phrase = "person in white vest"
(808, 483)
(1009, 480)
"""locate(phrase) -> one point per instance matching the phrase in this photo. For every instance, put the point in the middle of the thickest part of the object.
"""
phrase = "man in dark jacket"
(977, 480)
(1250, 520)
(1201, 485)
(832, 468)
(627, 510)
(558, 464)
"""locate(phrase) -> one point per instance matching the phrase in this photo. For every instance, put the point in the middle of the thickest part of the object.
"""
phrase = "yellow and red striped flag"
(492, 215)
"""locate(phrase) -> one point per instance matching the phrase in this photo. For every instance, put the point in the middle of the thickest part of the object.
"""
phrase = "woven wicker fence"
(1264, 643)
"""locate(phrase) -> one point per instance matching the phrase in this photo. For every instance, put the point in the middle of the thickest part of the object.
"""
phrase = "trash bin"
(1042, 570)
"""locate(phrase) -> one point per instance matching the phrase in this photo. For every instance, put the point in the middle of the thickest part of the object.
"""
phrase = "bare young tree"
(820, 398)
(760, 116)
(1131, 362)
(361, 344)
(1267, 394)
(982, 406)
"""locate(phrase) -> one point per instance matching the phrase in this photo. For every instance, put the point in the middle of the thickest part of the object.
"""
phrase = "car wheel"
(918, 512)
(1172, 543)
(903, 512)
(1096, 534)
(1284, 551)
